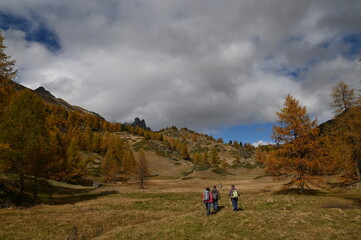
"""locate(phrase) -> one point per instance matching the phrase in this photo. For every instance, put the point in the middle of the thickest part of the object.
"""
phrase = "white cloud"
(199, 64)
(260, 143)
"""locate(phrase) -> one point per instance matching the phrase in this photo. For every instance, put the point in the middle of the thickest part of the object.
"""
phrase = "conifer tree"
(197, 158)
(213, 156)
(128, 164)
(112, 160)
(205, 158)
(345, 132)
(74, 163)
(184, 151)
(300, 155)
(343, 97)
(58, 154)
(344, 145)
(23, 129)
(110, 165)
(6, 157)
(142, 168)
(7, 73)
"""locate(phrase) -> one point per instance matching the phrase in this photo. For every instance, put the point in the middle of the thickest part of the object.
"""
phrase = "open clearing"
(172, 209)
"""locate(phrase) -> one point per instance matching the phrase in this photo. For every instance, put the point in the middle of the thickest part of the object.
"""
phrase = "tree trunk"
(21, 182)
(357, 168)
(142, 183)
(302, 187)
(35, 188)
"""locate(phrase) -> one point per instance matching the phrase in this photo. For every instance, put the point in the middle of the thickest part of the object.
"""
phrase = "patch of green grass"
(219, 171)
(261, 176)
(139, 145)
(149, 145)
(96, 171)
(199, 149)
(200, 167)
(248, 165)
(186, 173)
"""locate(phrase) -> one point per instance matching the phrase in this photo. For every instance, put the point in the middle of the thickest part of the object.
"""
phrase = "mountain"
(49, 98)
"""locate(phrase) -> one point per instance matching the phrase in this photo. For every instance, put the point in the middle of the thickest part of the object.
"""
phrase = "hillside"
(171, 152)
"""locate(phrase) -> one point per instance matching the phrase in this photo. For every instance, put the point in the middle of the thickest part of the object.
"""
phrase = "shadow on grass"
(71, 199)
(47, 194)
(296, 191)
(219, 209)
(343, 194)
(355, 197)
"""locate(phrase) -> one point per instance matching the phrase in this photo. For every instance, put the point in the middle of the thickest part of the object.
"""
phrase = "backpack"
(215, 195)
(235, 194)
(206, 196)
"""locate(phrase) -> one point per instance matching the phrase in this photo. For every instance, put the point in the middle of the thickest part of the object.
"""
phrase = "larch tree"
(113, 159)
(110, 166)
(345, 132)
(74, 163)
(213, 156)
(142, 168)
(127, 167)
(343, 97)
(184, 151)
(299, 157)
(23, 129)
(7, 73)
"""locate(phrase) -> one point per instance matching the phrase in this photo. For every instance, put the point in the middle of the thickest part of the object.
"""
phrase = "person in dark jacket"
(207, 199)
(215, 196)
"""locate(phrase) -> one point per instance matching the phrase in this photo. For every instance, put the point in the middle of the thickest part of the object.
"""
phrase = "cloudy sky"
(219, 67)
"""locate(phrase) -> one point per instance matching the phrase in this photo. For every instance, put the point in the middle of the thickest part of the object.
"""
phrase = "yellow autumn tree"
(142, 168)
(7, 73)
(183, 151)
(299, 157)
(127, 167)
(213, 156)
(112, 161)
(23, 128)
(74, 164)
(343, 135)
(343, 97)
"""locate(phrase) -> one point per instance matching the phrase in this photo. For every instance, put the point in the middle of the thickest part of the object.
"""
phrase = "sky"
(217, 67)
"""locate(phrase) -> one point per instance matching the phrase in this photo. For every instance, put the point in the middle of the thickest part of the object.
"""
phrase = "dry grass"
(172, 209)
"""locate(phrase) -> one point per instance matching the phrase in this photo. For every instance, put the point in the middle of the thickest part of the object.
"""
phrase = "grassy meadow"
(172, 209)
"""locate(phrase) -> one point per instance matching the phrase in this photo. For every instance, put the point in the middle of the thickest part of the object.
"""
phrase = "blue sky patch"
(35, 30)
(249, 133)
(354, 45)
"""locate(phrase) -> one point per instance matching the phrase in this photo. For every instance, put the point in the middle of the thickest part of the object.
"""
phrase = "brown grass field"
(172, 209)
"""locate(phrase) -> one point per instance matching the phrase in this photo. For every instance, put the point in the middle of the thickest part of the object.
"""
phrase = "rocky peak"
(140, 123)
(42, 90)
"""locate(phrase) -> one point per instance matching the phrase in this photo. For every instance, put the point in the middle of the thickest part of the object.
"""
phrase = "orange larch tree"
(142, 168)
(300, 156)
(344, 137)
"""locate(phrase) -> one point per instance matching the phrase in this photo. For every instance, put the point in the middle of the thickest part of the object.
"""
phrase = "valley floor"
(172, 209)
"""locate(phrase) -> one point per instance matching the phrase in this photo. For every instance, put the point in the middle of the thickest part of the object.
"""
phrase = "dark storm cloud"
(199, 64)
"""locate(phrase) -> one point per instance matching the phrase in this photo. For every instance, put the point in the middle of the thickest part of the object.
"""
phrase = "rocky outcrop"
(140, 123)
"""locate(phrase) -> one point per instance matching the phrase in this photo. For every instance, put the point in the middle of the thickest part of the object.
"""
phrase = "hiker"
(216, 196)
(233, 194)
(207, 199)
